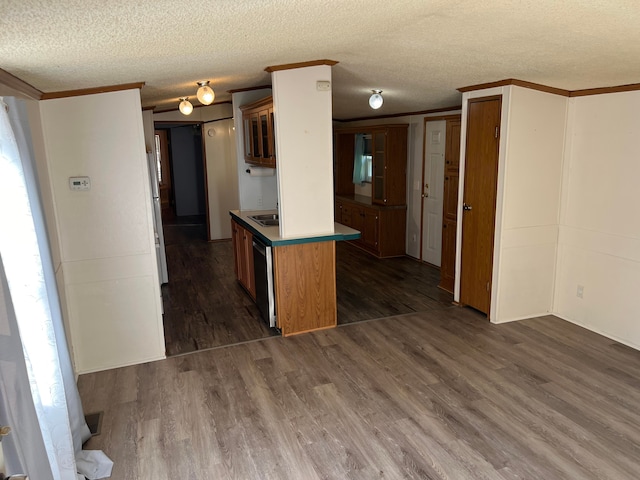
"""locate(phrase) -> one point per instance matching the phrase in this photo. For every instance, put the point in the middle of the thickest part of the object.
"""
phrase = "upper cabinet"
(259, 137)
(386, 150)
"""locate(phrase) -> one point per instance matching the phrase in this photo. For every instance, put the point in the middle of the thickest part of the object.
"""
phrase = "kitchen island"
(303, 271)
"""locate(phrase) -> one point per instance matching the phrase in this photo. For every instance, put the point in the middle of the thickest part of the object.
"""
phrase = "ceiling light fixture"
(375, 100)
(205, 93)
(185, 106)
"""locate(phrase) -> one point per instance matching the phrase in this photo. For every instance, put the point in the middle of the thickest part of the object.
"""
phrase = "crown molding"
(19, 85)
(91, 91)
(290, 66)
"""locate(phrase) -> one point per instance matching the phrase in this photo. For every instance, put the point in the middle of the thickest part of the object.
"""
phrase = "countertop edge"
(268, 235)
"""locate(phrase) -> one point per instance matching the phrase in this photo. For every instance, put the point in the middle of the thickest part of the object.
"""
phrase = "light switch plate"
(79, 183)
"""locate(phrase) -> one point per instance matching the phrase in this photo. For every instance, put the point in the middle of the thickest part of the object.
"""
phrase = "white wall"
(255, 193)
(107, 253)
(222, 176)
(531, 205)
(599, 246)
(304, 144)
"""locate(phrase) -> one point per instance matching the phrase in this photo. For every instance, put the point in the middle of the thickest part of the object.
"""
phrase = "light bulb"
(375, 100)
(185, 106)
(205, 93)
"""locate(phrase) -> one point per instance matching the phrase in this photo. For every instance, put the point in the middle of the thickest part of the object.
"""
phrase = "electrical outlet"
(580, 291)
(414, 238)
(260, 201)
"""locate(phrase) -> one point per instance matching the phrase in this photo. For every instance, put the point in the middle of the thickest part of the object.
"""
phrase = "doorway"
(479, 201)
(440, 164)
(184, 196)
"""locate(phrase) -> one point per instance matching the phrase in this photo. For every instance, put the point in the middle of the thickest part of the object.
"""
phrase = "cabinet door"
(265, 144)
(249, 275)
(338, 213)
(237, 248)
(378, 180)
(248, 144)
(370, 229)
(256, 153)
(270, 161)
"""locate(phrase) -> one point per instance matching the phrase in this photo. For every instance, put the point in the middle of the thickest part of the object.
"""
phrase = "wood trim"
(152, 107)
(519, 83)
(370, 128)
(258, 103)
(164, 123)
(203, 137)
(599, 91)
(91, 91)
(248, 89)
(291, 66)
(404, 114)
(19, 85)
(194, 106)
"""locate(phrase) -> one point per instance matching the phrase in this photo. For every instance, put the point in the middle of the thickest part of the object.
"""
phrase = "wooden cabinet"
(388, 160)
(243, 254)
(258, 128)
(382, 229)
(450, 205)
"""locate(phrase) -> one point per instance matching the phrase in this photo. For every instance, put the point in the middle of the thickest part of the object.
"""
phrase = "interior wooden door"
(479, 208)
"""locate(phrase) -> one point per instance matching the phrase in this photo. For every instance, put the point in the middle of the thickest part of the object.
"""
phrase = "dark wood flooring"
(205, 307)
(440, 394)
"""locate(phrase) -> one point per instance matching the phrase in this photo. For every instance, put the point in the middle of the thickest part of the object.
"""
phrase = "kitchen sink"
(266, 219)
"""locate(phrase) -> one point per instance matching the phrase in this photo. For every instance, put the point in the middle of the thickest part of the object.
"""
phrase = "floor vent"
(94, 422)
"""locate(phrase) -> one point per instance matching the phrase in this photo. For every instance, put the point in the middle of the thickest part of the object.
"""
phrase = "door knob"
(466, 207)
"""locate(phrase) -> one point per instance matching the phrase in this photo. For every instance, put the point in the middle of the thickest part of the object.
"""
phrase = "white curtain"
(31, 283)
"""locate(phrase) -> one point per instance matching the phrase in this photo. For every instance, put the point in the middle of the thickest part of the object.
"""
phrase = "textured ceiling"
(417, 51)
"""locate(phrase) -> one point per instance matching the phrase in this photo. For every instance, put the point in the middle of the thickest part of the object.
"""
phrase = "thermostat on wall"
(79, 183)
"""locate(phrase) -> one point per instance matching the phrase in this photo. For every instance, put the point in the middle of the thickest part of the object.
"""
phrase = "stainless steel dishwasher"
(263, 271)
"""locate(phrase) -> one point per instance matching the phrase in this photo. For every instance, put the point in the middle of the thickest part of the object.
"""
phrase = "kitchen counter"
(271, 235)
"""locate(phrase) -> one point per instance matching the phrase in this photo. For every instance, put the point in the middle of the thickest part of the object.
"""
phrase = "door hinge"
(497, 129)
(488, 286)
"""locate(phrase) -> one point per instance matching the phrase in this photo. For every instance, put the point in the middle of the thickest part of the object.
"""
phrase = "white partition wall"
(304, 145)
(107, 265)
(531, 204)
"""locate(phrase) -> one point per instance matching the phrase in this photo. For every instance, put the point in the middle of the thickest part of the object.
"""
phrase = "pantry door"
(479, 201)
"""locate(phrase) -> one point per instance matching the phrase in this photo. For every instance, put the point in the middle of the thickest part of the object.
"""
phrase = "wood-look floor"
(205, 307)
(441, 394)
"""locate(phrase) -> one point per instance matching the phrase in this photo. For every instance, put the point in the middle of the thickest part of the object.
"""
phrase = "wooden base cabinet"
(305, 287)
(243, 253)
(382, 229)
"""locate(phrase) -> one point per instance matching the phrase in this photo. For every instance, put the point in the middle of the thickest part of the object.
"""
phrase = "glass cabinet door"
(247, 136)
(378, 187)
(264, 133)
(255, 136)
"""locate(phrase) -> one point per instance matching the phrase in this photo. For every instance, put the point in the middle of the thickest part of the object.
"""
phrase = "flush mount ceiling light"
(205, 93)
(185, 106)
(375, 100)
